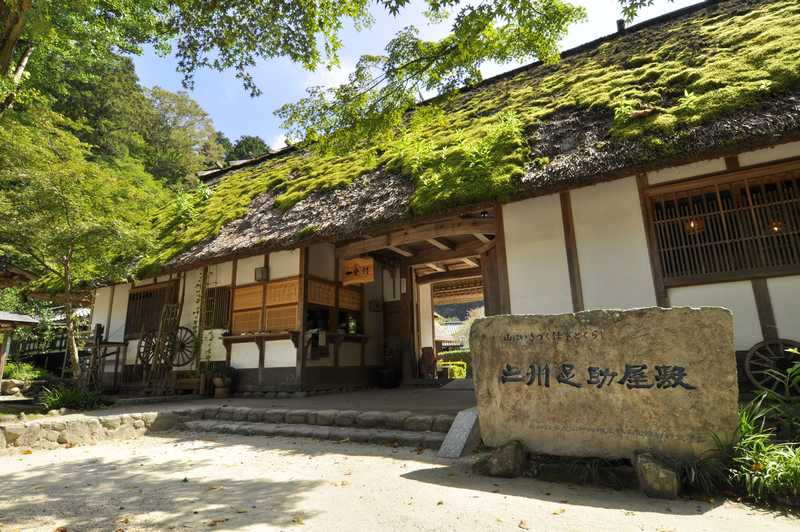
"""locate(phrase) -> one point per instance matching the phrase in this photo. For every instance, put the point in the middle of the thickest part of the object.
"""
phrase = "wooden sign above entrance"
(358, 271)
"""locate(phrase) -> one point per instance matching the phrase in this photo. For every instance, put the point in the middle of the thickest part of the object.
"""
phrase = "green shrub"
(23, 371)
(72, 398)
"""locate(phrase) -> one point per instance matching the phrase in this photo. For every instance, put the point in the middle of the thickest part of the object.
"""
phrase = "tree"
(225, 142)
(180, 136)
(76, 220)
(247, 147)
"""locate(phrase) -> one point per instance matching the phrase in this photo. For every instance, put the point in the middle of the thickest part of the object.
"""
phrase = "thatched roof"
(702, 82)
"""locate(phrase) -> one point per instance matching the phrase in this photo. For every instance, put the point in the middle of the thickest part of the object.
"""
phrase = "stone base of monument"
(507, 461)
(656, 478)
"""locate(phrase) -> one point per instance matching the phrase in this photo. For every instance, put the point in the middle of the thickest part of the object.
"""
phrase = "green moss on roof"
(474, 148)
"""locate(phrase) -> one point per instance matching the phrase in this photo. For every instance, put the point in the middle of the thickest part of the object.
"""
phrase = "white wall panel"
(220, 274)
(119, 311)
(785, 295)
(100, 310)
(246, 269)
(737, 297)
(322, 261)
(280, 354)
(213, 348)
(284, 264)
(244, 356)
(612, 246)
(537, 261)
(425, 306)
(775, 153)
(350, 354)
(674, 173)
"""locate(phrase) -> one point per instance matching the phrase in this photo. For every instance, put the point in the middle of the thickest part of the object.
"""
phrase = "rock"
(326, 417)
(433, 440)
(396, 420)
(111, 422)
(443, 422)
(508, 461)
(240, 414)
(418, 423)
(255, 415)
(12, 431)
(53, 413)
(164, 421)
(656, 478)
(275, 415)
(14, 391)
(346, 418)
(371, 419)
(297, 416)
(2, 439)
(138, 424)
(607, 383)
(464, 435)
(8, 418)
(283, 395)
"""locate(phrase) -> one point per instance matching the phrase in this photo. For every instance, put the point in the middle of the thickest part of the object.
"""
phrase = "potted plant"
(222, 381)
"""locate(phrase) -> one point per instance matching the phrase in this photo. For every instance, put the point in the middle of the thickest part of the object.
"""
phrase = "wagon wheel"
(147, 348)
(767, 358)
(183, 345)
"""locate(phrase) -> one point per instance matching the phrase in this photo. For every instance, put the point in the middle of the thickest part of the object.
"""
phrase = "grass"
(475, 146)
(71, 398)
(22, 371)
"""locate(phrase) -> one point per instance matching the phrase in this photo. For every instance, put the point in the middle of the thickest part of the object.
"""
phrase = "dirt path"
(203, 482)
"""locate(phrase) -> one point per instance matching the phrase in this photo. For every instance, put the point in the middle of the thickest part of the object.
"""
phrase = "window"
(726, 228)
(145, 304)
(216, 308)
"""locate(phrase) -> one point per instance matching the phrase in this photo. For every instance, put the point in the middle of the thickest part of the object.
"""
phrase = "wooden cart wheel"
(147, 348)
(767, 358)
(183, 346)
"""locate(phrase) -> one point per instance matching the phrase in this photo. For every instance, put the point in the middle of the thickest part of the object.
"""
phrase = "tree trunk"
(12, 25)
(72, 346)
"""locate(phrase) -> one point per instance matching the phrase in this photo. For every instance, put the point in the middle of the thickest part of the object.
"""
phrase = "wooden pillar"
(260, 342)
(766, 315)
(502, 262)
(5, 347)
(233, 289)
(301, 320)
(201, 316)
(406, 328)
(572, 253)
(110, 310)
(662, 297)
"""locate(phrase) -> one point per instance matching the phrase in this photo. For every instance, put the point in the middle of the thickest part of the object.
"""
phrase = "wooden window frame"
(136, 310)
(721, 256)
(217, 307)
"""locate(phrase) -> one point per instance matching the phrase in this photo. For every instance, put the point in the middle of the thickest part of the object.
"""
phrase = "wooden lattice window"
(217, 307)
(145, 304)
(728, 228)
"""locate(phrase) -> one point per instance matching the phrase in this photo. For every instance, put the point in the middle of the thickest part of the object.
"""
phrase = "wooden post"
(502, 262)
(572, 253)
(662, 299)
(110, 310)
(5, 347)
(233, 291)
(301, 320)
(766, 315)
(260, 342)
(201, 316)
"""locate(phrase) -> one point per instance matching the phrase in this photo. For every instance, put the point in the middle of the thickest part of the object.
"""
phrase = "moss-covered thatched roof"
(701, 82)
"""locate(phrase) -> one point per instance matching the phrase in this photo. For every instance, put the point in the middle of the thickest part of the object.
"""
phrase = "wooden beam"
(448, 276)
(301, 320)
(766, 315)
(662, 297)
(502, 263)
(400, 251)
(417, 234)
(435, 267)
(481, 237)
(471, 262)
(572, 253)
(440, 243)
(468, 249)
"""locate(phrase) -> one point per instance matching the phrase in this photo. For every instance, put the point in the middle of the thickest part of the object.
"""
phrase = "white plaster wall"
(244, 356)
(130, 355)
(674, 173)
(279, 354)
(537, 262)
(322, 261)
(425, 306)
(350, 354)
(785, 296)
(213, 348)
(775, 153)
(284, 264)
(612, 246)
(119, 310)
(192, 279)
(246, 269)
(220, 274)
(102, 297)
(736, 296)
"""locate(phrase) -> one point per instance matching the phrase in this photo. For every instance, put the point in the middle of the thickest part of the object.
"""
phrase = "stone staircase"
(384, 428)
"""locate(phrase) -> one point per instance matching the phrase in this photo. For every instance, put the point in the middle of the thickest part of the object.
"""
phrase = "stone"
(607, 383)
(138, 424)
(396, 420)
(507, 461)
(275, 415)
(433, 440)
(8, 418)
(164, 421)
(149, 418)
(442, 423)
(371, 419)
(464, 435)
(111, 422)
(346, 418)
(418, 423)
(326, 417)
(12, 431)
(656, 478)
(255, 415)
(297, 416)
(283, 395)
(2, 439)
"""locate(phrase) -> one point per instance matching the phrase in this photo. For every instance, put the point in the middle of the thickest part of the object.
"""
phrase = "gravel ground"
(226, 482)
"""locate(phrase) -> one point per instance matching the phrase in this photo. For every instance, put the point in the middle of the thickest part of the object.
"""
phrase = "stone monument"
(607, 383)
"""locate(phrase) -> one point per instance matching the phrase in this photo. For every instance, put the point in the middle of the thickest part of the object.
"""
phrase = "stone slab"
(570, 384)
(464, 435)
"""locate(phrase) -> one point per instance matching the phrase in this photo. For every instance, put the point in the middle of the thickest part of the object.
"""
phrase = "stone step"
(395, 421)
(405, 438)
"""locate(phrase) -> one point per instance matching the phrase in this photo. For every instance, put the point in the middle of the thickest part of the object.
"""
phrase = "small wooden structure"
(8, 323)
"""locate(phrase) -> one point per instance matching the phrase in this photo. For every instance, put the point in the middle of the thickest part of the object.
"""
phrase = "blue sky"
(235, 113)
